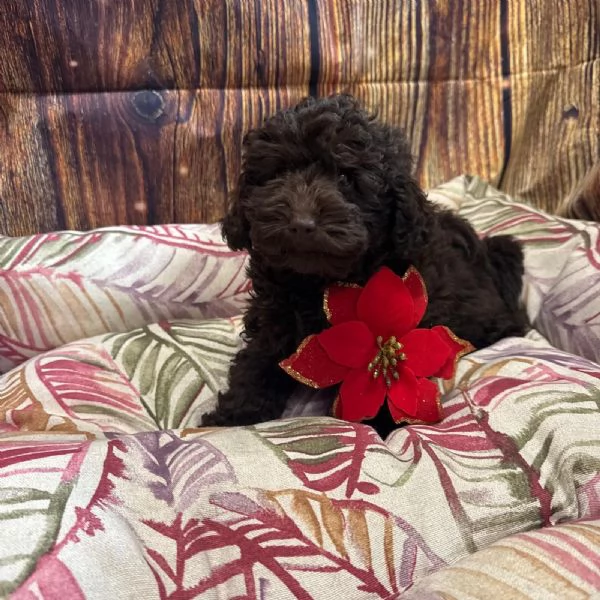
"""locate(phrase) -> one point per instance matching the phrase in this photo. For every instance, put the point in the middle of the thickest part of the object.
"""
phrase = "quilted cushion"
(105, 478)
(562, 279)
(60, 287)
(554, 563)
(299, 506)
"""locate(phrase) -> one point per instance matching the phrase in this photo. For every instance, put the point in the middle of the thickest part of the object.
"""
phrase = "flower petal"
(426, 352)
(403, 394)
(386, 305)
(416, 287)
(361, 396)
(311, 365)
(339, 302)
(428, 409)
(350, 344)
(458, 348)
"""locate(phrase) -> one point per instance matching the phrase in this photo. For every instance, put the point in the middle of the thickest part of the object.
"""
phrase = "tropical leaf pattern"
(556, 562)
(160, 376)
(59, 287)
(109, 489)
(562, 262)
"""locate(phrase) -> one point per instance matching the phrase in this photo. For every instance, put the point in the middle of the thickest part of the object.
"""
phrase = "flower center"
(386, 360)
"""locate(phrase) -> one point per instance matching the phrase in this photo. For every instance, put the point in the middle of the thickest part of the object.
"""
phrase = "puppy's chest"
(309, 315)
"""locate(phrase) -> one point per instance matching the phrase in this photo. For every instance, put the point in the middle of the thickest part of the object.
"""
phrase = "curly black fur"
(327, 194)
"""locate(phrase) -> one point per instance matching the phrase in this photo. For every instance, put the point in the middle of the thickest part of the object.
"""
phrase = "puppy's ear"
(413, 217)
(235, 227)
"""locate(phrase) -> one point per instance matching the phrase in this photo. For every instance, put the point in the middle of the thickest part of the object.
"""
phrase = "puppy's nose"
(302, 226)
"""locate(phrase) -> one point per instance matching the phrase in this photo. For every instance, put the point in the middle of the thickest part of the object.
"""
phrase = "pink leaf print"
(52, 580)
(181, 469)
(262, 537)
(85, 375)
(281, 527)
(17, 454)
(325, 457)
(86, 523)
(57, 288)
(466, 438)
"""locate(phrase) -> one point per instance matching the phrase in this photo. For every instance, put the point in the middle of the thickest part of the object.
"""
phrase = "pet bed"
(109, 490)
(114, 341)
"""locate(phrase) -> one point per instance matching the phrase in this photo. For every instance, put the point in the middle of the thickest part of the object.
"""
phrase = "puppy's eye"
(344, 179)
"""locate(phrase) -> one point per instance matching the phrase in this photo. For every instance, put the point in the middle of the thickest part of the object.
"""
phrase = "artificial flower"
(376, 351)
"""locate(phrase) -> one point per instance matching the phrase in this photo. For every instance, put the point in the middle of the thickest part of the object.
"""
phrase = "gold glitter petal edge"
(286, 365)
(413, 271)
(438, 401)
(334, 410)
(326, 308)
(467, 348)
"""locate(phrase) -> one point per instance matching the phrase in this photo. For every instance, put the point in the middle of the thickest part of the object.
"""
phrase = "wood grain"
(27, 203)
(99, 157)
(134, 111)
(208, 146)
(148, 123)
(554, 117)
(102, 45)
(555, 98)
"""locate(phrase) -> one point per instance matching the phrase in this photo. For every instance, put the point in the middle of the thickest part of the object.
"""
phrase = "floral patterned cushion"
(562, 280)
(108, 488)
(554, 563)
(59, 287)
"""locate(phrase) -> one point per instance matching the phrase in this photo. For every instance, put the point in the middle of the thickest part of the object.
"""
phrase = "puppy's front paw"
(218, 418)
(211, 420)
(228, 413)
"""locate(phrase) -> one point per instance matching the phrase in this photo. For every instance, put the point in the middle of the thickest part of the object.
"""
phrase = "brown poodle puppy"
(327, 194)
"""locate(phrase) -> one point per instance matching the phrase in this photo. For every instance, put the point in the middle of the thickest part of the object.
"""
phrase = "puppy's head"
(324, 188)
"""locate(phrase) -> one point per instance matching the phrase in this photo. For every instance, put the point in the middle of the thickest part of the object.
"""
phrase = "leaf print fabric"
(59, 287)
(108, 488)
(562, 262)
(557, 562)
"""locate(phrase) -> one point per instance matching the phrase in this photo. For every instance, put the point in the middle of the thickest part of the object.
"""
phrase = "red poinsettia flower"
(375, 350)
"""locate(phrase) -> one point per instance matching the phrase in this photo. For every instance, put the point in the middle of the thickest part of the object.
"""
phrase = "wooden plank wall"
(133, 111)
